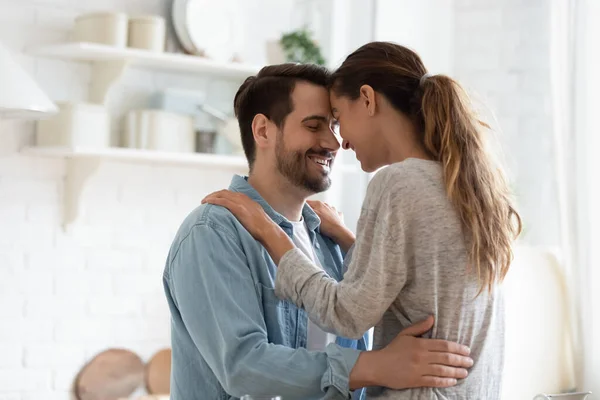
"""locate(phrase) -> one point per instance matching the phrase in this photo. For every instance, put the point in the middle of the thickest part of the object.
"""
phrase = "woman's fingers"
(226, 194)
(214, 195)
(314, 204)
(223, 202)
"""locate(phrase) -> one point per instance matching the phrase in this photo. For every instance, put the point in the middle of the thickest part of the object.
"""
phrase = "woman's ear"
(367, 95)
(261, 130)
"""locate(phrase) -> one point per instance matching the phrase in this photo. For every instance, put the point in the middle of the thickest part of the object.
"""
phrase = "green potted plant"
(296, 47)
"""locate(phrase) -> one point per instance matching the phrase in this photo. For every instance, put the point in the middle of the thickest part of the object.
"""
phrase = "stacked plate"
(209, 28)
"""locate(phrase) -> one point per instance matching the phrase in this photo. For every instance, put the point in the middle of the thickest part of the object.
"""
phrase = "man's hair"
(269, 93)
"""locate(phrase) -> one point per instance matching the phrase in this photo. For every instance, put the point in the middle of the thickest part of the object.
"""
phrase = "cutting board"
(110, 375)
(158, 373)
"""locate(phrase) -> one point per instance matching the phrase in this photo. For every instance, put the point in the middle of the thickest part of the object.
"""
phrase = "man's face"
(306, 147)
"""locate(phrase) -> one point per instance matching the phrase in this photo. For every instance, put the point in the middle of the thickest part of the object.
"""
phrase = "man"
(230, 334)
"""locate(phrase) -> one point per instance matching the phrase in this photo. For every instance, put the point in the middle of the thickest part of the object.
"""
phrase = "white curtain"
(575, 62)
(587, 108)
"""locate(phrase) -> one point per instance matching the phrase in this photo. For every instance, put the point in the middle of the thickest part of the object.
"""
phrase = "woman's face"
(358, 130)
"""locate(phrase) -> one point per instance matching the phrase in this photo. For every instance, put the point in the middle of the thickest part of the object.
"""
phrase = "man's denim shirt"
(230, 334)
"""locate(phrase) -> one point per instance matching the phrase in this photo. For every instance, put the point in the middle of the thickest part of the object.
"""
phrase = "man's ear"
(367, 96)
(262, 130)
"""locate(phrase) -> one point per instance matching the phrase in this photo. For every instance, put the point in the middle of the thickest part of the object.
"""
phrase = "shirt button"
(317, 245)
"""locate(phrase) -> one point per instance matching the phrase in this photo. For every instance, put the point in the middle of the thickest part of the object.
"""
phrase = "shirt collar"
(240, 184)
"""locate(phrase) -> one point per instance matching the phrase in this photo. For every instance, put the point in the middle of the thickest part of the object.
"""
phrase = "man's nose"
(345, 144)
(330, 142)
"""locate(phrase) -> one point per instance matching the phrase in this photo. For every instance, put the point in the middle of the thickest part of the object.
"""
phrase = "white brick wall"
(12, 356)
(500, 50)
(66, 295)
(502, 55)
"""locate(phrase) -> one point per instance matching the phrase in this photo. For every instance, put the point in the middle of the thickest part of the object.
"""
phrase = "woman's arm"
(375, 276)
(332, 224)
(345, 239)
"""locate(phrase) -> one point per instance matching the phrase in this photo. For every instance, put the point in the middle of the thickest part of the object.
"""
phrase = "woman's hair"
(451, 134)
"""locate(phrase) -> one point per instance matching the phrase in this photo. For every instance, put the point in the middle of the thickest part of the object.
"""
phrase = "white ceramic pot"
(147, 33)
(275, 54)
(104, 28)
(76, 124)
(159, 130)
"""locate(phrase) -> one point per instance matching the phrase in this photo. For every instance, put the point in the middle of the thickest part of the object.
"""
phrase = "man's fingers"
(443, 371)
(445, 346)
(449, 359)
(434, 381)
(419, 328)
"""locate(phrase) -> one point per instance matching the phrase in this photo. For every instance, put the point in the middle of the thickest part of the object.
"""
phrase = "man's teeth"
(320, 161)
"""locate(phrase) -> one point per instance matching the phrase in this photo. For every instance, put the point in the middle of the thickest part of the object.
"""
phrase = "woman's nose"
(345, 144)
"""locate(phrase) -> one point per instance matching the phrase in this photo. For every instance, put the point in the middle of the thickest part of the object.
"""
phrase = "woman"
(436, 227)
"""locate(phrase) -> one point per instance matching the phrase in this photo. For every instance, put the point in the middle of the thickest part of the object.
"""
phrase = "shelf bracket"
(78, 172)
(104, 75)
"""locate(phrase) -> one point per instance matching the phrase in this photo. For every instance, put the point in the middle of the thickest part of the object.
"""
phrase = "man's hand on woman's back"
(410, 361)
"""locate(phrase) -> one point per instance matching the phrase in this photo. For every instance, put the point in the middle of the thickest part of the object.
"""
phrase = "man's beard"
(292, 165)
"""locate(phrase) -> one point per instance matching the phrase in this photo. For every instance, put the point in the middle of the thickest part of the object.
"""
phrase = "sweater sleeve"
(376, 273)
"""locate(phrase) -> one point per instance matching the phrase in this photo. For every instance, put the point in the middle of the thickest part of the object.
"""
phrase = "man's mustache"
(323, 153)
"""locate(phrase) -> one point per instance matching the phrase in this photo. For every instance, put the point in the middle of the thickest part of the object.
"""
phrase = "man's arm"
(216, 297)
(410, 361)
(215, 294)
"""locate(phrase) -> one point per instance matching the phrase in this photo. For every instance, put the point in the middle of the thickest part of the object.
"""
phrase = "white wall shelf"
(142, 156)
(93, 52)
(83, 162)
(110, 63)
(154, 157)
